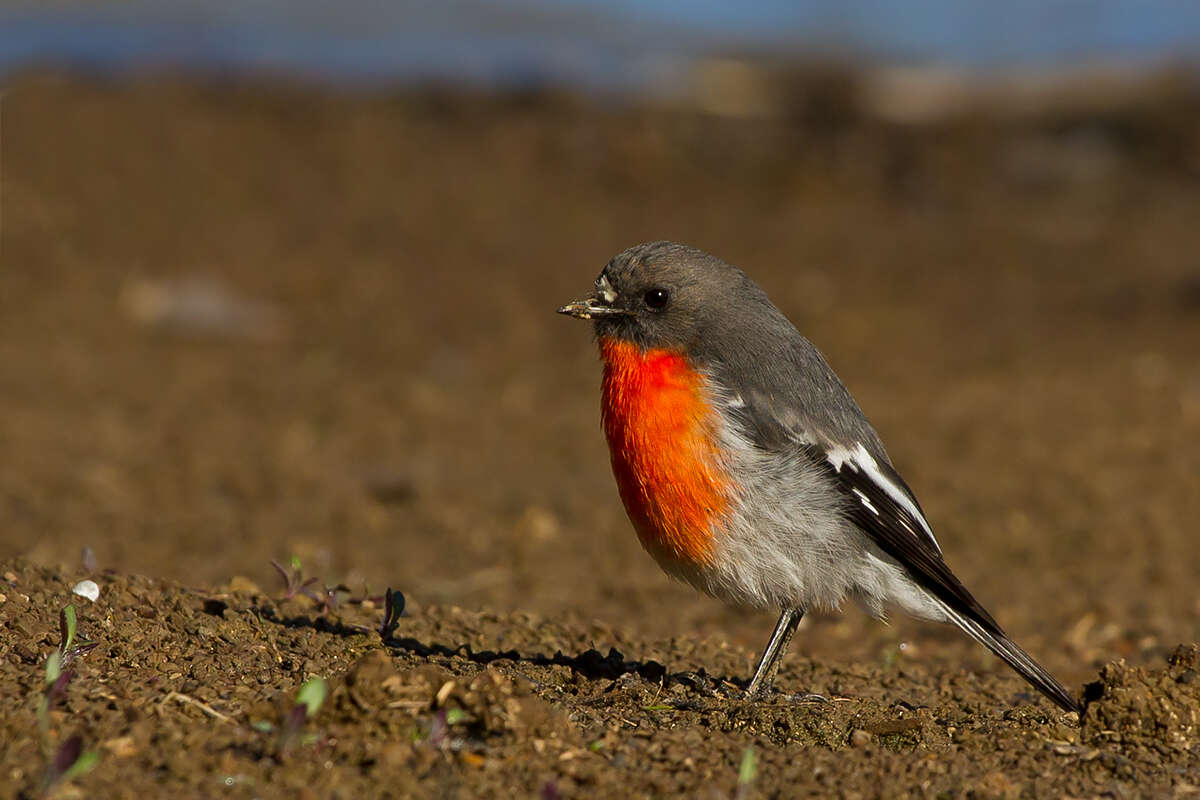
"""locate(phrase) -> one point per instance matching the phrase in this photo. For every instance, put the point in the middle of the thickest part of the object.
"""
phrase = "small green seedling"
(747, 771)
(294, 583)
(53, 689)
(438, 732)
(308, 702)
(68, 648)
(312, 696)
(70, 761)
(393, 609)
(67, 625)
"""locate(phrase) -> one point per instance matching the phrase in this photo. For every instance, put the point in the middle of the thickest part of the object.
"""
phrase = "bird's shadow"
(591, 663)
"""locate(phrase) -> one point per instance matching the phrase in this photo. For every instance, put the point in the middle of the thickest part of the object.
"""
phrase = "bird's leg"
(768, 665)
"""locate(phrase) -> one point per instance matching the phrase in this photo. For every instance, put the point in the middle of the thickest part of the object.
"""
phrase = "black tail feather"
(1011, 653)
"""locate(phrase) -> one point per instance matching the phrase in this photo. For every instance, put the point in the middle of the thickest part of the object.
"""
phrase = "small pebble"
(87, 589)
(860, 738)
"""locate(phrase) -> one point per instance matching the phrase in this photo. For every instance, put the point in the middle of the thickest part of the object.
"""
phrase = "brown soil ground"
(239, 324)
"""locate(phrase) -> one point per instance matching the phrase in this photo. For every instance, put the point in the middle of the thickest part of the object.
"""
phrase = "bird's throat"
(662, 437)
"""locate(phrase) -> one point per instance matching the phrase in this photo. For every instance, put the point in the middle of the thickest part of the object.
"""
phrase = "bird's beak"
(591, 308)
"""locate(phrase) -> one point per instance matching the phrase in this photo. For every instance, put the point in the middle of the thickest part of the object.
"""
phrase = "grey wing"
(882, 506)
(843, 446)
(813, 417)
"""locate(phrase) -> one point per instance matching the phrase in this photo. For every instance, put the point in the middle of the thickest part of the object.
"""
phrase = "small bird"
(747, 469)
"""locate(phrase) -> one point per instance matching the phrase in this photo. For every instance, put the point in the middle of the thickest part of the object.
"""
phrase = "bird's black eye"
(656, 299)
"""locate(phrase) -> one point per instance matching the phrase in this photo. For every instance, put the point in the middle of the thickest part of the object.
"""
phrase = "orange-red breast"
(746, 467)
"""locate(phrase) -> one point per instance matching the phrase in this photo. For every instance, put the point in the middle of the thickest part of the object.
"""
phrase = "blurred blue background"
(588, 43)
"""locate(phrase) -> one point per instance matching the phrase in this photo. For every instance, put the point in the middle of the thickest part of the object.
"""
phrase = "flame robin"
(747, 469)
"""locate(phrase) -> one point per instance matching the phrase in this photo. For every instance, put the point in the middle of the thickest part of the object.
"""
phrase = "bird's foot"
(761, 693)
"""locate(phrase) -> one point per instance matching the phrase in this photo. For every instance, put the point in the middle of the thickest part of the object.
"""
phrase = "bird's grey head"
(663, 295)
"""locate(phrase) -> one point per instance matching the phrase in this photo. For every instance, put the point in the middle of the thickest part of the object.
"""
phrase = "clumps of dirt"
(1136, 719)
(189, 692)
(443, 712)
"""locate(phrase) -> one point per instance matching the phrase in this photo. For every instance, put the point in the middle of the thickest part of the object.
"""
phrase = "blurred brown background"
(248, 321)
(278, 281)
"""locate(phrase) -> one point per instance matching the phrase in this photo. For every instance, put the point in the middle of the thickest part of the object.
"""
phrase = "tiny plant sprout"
(293, 580)
(55, 686)
(67, 625)
(393, 609)
(57, 674)
(327, 598)
(312, 695)
(70, 761)
(68, 648)
(53, 667)
(308, 702)
(747, 771)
